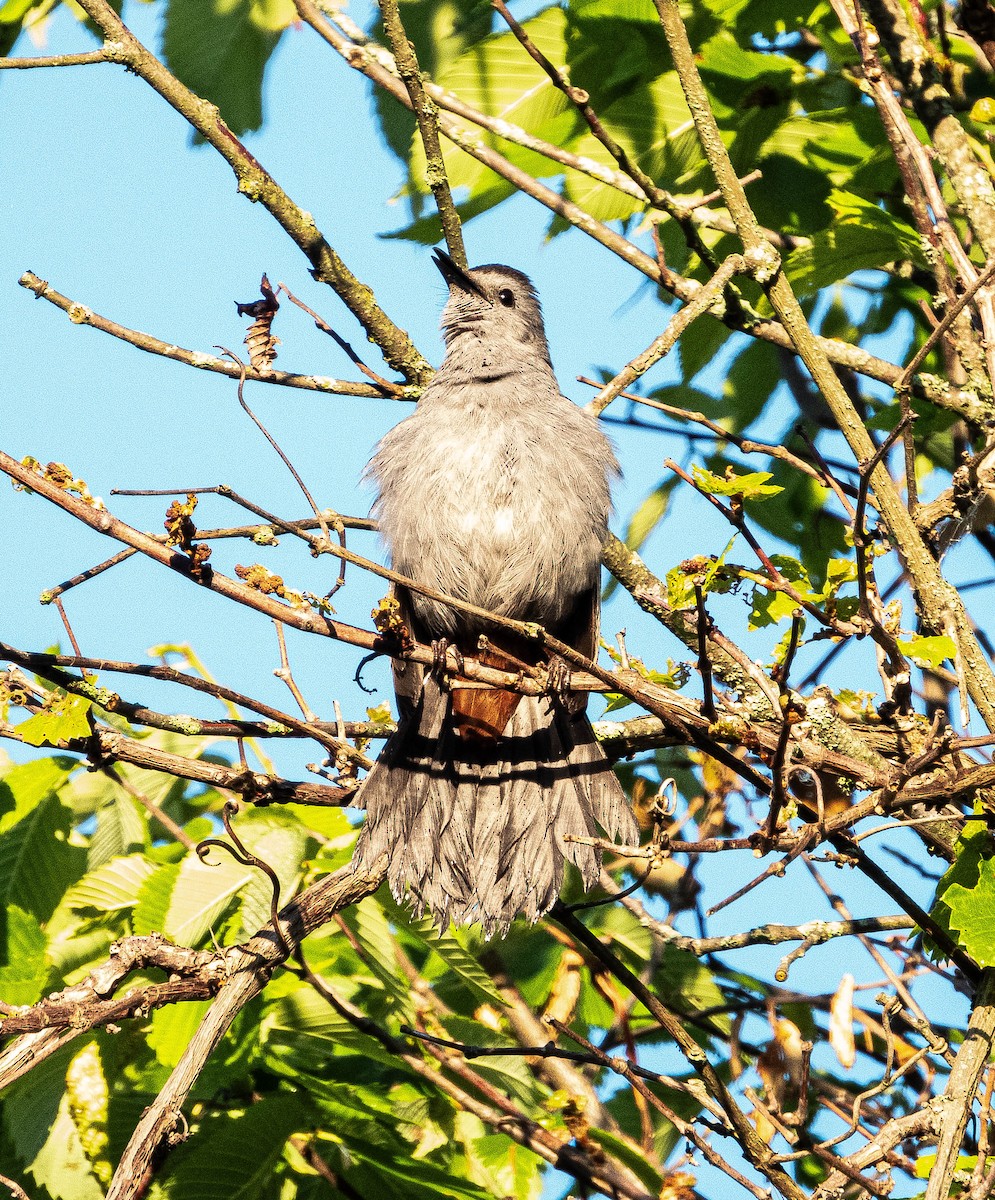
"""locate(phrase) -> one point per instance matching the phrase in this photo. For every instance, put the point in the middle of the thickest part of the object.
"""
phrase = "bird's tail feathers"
(477, 831)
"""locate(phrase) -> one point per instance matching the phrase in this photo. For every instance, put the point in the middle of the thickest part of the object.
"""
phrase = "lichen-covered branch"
(80, 314)
(255, 182)
(940, 604)
(427, 116)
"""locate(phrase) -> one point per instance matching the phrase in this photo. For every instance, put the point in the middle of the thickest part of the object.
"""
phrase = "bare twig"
(79, 314)
(427, 116)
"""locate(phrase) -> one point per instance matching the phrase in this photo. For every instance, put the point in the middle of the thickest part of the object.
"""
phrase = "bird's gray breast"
(493, 501)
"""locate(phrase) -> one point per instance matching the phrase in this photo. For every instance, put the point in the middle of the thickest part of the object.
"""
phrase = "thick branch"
(962, 1085)
(939, 603)
(258, 185)
(915, 67)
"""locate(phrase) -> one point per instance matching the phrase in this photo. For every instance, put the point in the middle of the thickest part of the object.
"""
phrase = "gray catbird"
(494, 491)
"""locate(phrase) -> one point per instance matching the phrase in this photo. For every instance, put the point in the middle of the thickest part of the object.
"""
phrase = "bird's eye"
(507, 297)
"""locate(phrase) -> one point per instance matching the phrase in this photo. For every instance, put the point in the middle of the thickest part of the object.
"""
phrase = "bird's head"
(494, 305)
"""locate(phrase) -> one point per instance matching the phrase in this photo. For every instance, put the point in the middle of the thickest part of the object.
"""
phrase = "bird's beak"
(455, 276)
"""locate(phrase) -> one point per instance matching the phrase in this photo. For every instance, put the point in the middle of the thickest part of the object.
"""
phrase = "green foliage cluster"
(82, 866)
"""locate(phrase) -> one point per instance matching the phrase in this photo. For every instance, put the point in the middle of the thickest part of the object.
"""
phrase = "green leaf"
(974, 852)
(26, 785)
(649, 514)
(861, 237)
(929, 652)
(407, 1179)
(185, 901)
(495, 76)
(630, 1157)
(510, 1073)
(751, 486)
(680, 589)
(220, 48)
(235, 1155)
(692, 984)
(722, 55)
(370, 924)
(121, 830)
(279, 839)
(303, 1029)
(972, 915)
(111, 888)
(23, 971)
(471, 974)
(451, 953)
(62, 720)
(502, 1164)
(61, 1166)
(769, 608)
(653, 125)
(37, 862)
(172, 1028)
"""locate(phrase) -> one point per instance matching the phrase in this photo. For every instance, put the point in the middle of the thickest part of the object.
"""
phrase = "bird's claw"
(440, 661)
(558, 679)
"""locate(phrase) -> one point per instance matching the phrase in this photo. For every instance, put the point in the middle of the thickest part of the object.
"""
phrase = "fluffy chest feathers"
(497, 495)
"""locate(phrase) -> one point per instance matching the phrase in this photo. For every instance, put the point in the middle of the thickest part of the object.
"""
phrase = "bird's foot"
(558, 678)
(440, 663)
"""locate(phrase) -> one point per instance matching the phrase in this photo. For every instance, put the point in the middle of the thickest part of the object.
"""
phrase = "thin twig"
(704, 299)
(283, 458)
(427, 116)
(79, 314)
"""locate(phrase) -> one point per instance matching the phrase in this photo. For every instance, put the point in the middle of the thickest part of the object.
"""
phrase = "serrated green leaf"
(304, 1024)
(929, 652)
(863, 236)
(64, 719)
(184, 901)
(752, 485)
(512, 1170)
(37, 863)
(371, 927)
(508, 1072)
(467, 968)
(111, 888)
(121, 829)
(972, 914)
(279, 839)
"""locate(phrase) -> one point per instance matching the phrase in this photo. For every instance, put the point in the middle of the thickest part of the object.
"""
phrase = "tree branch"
(79, 314)
(940, 604)
(257, 184)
